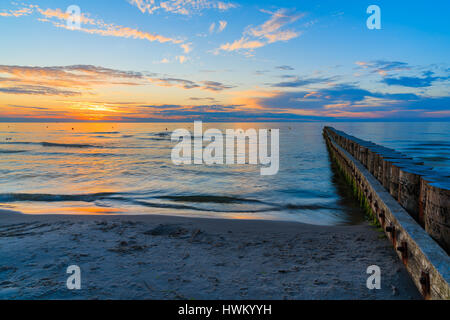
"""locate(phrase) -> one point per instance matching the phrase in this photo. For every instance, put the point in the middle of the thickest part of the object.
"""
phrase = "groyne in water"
(410, 202)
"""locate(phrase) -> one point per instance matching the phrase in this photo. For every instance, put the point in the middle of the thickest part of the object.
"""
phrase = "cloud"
(210, 112)
(222, 25)
(211, 99)
(351, 101)
(212, 27)
(390, 70)
(206, 112)
(96, 26)
(111, 30)
(242, 43)
(25, 11)
(267, 33)
(285, 68)
(58, 14)
(271, 29)
(352, 93)
(27, 107)
(187, 47)
(414, 82)
(189, 84)
(75, 76)
(215, 86)
(181, 59)
(174, 82)
(183, 7)
(56, 80)
(297, 82)
(383, 67)
(38, 90)
(282, 36)
(23, 79)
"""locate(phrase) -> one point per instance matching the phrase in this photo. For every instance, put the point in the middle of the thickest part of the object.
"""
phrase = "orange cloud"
(337, 105)
(99, 27)
(181, 59)
(77, 76)
(250, 99)
(18, 12)
(222, 25)
(57, 13)
(242, 43)
(111, 30)
(267, 33)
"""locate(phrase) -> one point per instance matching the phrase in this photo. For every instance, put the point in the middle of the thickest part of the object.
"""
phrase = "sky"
(186, 60)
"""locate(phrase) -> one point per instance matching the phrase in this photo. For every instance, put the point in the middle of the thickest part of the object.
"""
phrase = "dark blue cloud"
(351, 97)
(384, 66)
(414, 82)
(297, 82)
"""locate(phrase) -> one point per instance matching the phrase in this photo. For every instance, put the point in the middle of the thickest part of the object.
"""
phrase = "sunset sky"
(184, 60)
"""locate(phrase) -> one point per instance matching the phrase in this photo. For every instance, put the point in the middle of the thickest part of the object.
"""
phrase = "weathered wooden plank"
(437, 212)
(427, 262)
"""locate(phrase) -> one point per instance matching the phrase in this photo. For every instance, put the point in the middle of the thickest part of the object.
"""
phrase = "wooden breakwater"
(408, 200)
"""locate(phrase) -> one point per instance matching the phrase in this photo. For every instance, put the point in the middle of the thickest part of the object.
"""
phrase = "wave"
(53, 144)
(164, 135)
(433, 144)
(209, 199)
(17, 197)
(78, 154)
(12, 197)
(105, 132)
(28, 197)
(11, 151)
(137, 199)
(435, 158)
(67, 145)
(152, 138)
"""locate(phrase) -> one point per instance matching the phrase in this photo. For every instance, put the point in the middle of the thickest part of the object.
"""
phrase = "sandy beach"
(164, 257)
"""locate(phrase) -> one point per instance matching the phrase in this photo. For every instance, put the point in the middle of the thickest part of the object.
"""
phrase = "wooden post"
(437, 212)
(409, 188)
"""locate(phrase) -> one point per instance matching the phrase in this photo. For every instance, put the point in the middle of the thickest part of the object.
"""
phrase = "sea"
(127, 169)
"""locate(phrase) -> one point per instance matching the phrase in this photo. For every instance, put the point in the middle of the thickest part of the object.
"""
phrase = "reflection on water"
(104, 168)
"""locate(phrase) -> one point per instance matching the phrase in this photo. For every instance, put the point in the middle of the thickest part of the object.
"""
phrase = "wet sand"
(163, 257)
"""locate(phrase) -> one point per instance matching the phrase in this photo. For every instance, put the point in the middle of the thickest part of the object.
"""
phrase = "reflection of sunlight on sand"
(71, 210)
(77, 209)
(245, 217)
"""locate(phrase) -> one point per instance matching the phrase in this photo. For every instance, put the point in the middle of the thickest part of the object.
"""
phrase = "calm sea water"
(104, 168)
